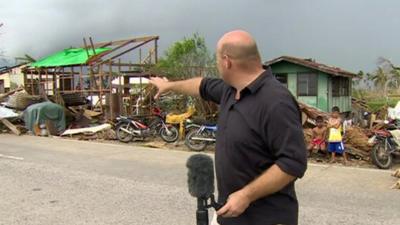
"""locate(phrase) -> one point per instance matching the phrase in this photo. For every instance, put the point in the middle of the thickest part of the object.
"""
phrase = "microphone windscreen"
(200, 175)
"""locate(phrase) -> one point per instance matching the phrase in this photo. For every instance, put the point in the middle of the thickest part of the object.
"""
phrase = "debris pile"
(360, 104)
(356, 142)
(10, 116)
(397, 184)
(21, 112)
(20, 100)
(309, 114)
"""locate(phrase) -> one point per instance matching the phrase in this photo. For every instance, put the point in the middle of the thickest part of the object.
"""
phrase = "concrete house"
(313, 83)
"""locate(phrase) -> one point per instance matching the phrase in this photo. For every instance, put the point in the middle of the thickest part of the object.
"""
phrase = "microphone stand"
(202, 212)
(202, 209)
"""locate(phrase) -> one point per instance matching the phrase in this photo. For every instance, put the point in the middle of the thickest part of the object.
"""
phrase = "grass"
(378, 103)
(376, 100)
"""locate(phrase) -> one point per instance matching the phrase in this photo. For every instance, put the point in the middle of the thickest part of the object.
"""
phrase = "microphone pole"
(201, 185)
(202, 212)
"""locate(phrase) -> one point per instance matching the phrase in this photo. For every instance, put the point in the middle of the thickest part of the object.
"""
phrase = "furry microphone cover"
(200, 176)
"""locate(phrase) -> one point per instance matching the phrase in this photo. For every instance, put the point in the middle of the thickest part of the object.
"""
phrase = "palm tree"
(380, 78)
(395, 78)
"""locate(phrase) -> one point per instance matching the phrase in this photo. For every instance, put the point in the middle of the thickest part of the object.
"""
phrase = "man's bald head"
(239, 45)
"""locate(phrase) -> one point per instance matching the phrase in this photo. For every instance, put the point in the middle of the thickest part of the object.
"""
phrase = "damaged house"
(314, 83)
(97, 74)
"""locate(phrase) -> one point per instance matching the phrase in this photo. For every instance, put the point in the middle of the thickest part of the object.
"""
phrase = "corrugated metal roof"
(335, 71)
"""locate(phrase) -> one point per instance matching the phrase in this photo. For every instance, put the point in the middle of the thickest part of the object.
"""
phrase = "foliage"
(187, 58)
(380, 78)
(1, 51)
(385, 79)
(387, 76)
(377, 104)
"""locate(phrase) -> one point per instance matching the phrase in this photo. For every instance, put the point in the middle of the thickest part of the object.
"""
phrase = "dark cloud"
(349, 34)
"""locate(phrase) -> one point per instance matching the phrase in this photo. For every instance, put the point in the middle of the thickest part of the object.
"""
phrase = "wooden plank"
(86, 47)
(91, 113)
(130, 49)
(91, 44)
(11, 126)
(99, 56)
(119, 42)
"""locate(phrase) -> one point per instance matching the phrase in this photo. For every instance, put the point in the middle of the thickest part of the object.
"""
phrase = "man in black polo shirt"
(260, 150)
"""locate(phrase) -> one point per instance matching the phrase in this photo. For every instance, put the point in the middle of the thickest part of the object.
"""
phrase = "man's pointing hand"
(162, 85)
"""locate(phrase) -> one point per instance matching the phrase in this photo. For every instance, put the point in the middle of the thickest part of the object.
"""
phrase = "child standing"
(335, 141)
(319, 136)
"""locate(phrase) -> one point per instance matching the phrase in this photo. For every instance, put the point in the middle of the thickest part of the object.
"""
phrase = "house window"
(307, 84)
(345, 88)
(282, 77)
(340, 86)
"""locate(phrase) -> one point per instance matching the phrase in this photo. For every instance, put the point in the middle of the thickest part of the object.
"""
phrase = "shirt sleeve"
(284, 136)
(211, 89)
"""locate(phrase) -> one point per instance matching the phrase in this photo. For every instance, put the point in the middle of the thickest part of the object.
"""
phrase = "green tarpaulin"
(37, 114)
(72, 56)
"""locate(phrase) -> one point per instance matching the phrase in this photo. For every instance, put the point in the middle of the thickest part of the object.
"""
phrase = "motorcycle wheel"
(194, 144)
(169, 136)
(121, 134)
(380, 156)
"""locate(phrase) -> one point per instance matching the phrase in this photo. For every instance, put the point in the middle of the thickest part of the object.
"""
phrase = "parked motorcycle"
(386, 145)
(199, 136)
(128, 128)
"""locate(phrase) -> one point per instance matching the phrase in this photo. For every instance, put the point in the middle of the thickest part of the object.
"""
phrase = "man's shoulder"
(273, 92)
(215, 83)
(212, 89)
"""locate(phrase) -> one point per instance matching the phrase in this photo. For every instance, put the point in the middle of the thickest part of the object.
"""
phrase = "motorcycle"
(386, 145)
(129, 128)
(199, 136)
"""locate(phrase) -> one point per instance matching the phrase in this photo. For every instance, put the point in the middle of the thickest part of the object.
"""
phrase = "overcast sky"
(350, 34)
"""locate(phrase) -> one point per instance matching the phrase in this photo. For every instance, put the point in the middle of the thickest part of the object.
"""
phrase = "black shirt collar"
(257, 83)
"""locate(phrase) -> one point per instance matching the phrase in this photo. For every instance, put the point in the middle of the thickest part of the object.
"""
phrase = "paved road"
(51, 181)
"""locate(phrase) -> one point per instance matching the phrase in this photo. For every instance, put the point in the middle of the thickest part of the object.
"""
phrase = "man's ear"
(228, 63)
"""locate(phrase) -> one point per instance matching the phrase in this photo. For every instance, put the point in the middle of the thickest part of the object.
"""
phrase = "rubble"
(7, 113)
(356, 137)
(37, 114)
(20, 100)
(5, 95)
(396, 173)
(397, 184)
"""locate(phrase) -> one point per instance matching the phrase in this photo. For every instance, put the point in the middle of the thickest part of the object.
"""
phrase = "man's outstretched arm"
(187, 87)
